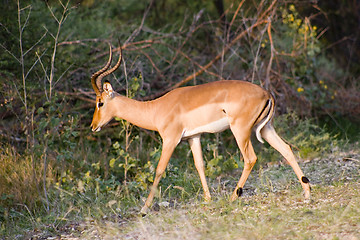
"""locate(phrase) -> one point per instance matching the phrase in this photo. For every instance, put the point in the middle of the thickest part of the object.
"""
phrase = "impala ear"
(108, 88)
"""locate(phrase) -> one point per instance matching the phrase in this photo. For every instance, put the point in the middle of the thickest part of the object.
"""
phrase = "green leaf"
(116, 145)
(112, 162)
(40, 110)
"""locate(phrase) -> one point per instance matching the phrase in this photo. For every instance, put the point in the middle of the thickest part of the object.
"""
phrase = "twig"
(190, 32)
(226, 48)
(137, 31)
(214, 60)
(260, 21)
(81, 42)
(272, 50)
(6, 50)
(255, 68)
(78, 95)
(197, 64)
(351, 159)
(233, 19)
(56, 39)
(153, 64)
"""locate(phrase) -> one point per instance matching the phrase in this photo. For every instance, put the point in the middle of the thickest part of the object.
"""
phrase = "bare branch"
(272, 50)
(233, 19)
(41, 38)
(27, 17)
(138, 30)
(10, 53)
(226, 48)
(153, 64)
(81, 42)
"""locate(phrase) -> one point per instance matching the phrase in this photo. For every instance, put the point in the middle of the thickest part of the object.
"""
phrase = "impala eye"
(100, 104)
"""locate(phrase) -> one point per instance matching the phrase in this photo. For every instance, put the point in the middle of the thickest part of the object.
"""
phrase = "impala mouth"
(97, 129)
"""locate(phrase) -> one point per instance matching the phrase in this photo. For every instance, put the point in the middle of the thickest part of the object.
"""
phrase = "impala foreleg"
(270, 135)
(167, 150)
(195, 146)
(247, 150)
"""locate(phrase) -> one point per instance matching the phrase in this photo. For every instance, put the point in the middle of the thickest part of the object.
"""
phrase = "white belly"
(213, 127)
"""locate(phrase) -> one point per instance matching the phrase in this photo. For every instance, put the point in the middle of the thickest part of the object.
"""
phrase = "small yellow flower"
(292, 8)
(300, 89)
(321, 82)
(291, 18)
(263, 45)
(325, 86)
(314, 28)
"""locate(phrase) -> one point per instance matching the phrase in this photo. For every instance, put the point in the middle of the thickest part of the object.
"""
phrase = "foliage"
(19, 180)
(53, 169)
(257, 217)
(307, 139)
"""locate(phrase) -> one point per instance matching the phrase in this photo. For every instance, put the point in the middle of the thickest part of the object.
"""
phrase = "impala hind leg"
(167, 150)
(270, 135)
(195, 146)
(247, 150)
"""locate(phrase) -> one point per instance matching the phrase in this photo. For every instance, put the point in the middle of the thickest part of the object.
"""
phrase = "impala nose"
(95, 129)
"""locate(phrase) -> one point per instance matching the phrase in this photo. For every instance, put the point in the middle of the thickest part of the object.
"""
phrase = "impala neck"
(136, 112)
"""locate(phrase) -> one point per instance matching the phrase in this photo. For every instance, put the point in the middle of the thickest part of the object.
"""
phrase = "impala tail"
(266, 116)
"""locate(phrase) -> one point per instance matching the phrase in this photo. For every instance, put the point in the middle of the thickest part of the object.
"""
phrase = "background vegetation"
(56, 176)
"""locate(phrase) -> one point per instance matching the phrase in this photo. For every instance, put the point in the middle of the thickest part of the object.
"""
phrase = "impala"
(185, 113)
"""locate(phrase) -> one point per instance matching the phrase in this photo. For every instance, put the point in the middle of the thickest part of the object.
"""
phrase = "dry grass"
(272, 208)
(333, 213)
(19, 178)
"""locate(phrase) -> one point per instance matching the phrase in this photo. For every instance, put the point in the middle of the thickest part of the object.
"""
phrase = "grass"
(333, 213)
(272, 207)
(274, 216)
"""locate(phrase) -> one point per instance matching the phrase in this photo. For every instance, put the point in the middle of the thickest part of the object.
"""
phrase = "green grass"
(272, 207)
(333, 213)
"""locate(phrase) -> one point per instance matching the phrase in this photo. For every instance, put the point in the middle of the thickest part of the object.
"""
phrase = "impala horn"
(95, 75)
(106, 72)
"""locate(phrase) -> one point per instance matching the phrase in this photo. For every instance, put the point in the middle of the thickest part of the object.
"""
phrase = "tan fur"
(185, 113)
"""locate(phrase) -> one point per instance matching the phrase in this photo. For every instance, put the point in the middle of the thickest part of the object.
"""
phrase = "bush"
(20, 180)
(308, 140)
(48, 154)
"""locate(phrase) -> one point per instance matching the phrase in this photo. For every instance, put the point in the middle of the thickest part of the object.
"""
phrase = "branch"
(153, 64)
(233, 19)
(137, 31)
(226, 48)
(197, 64)
(214, 60)
(78, 95)
(272, 50)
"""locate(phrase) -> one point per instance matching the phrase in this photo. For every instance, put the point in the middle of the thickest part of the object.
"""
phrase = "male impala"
(185, 113)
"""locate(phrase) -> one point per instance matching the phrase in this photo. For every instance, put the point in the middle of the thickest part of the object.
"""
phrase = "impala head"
(104, 94)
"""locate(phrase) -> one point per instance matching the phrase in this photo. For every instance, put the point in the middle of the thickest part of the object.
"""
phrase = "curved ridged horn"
(104, 74)
(95, 75)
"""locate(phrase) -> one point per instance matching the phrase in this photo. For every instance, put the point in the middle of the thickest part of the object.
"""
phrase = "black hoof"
(239, 192)
(305, 180)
